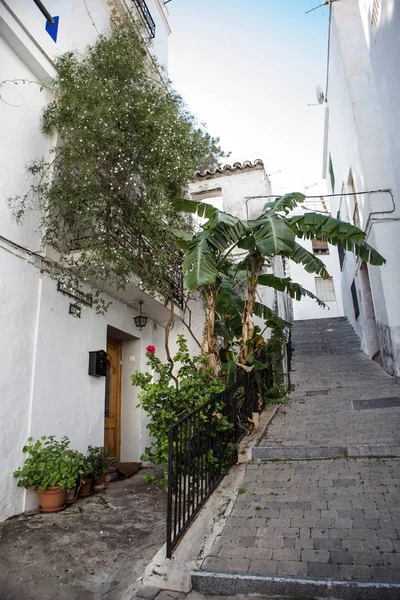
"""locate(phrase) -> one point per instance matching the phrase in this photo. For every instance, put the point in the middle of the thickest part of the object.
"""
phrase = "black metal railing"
(175, 280)
(203, 446)
(146, 16)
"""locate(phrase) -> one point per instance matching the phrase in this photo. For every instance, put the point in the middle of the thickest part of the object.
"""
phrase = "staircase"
(324, 336)
(318, 513)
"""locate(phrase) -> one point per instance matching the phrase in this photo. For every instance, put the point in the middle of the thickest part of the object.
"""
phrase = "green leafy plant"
(128, 146)
(168, 399)
(97, 460)
(210, 266)
(50, 462)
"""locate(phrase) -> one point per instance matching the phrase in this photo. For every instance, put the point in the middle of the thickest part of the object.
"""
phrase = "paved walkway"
(335, 518)
(95, 549)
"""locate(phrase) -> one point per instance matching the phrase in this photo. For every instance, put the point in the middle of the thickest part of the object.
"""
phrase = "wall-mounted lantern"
(140, 320)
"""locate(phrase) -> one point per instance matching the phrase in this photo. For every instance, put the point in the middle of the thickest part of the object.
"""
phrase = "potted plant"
(86, 479)
(72, 494)
(98, 457)
(52, 468)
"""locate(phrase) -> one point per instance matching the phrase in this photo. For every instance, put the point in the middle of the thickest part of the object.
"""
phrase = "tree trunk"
(166, 341)
(247, 317)
(208, 344)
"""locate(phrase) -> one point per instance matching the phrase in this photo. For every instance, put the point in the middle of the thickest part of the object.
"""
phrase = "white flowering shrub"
(127, 145)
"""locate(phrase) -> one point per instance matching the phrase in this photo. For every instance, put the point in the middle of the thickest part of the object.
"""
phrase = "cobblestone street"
(329, 509)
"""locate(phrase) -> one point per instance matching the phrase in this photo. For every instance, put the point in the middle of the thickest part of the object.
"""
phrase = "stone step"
(324, 334)
(325, 344)
(261, 453)
(231, 584)
(326, 338)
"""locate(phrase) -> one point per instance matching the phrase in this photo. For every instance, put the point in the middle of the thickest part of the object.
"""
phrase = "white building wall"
(44, 383)
(357, 138)
(81, 22)
(307, 308)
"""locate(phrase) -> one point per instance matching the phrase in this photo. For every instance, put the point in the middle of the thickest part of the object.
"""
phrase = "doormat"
(127, 469)
(317, 393)
(376, 403)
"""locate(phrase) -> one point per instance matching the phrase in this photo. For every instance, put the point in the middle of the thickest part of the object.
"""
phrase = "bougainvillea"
(126, 146)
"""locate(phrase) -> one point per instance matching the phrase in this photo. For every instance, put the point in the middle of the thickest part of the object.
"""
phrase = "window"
(324, 289)
(332, 174)
(376, 6)
(320, 246)
(355, 300)
(353, 204)
(212, 196)
(342, 255)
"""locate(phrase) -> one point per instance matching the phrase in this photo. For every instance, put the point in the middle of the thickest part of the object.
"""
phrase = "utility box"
(98, 363)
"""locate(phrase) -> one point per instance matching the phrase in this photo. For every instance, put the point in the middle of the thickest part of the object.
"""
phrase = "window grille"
(355, 300)
(332, 174)
(146, 16)
(320, 246)
(342, 255)
(324, 289)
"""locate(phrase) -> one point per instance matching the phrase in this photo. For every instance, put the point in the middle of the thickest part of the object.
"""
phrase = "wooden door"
(112, 405)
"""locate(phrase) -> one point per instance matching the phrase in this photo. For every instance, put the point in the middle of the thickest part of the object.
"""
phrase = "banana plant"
(217, 252)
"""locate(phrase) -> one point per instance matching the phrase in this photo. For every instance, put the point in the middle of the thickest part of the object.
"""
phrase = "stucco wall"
(81, 22)
(363, 136)
(307, 308)
(44, 382)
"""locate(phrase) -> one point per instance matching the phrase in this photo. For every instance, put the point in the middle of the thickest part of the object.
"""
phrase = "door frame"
(118, 345)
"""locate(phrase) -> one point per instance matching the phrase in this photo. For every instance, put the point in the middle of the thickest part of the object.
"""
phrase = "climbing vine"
(126, 145)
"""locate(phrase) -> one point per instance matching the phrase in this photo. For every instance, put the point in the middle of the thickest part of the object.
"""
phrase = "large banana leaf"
(215, 216)
(285, 203)
(334, 231)
(220, 217)
(272, 235)
(361, 249)
(199, 266)
(268, 315)
(311, 263)
(202, 209)
(285, 284)
(181, 238)
(320, 225)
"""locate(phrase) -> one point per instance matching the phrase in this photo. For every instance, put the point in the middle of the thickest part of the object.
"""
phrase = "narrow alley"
(319, 509)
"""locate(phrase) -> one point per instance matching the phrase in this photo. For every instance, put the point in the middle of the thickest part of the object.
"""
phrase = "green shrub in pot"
(98, 460)
(50, 463)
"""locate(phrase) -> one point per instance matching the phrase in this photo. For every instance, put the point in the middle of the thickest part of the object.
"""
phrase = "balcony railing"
(146, 16)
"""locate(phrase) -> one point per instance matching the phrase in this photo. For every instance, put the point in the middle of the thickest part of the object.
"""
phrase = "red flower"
(150, 349)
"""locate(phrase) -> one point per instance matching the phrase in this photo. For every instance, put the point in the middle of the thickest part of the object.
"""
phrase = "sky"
(248, 69)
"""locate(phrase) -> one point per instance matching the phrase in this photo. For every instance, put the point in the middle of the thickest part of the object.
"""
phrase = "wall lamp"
(140, 320)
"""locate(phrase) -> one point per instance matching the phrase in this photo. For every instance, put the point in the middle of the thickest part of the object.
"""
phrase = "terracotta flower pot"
(100, 484)
(86, 488)
(72, 495)
(52, 499)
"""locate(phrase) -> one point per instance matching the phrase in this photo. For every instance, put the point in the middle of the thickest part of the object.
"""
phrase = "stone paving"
(95, 549)
(325, 518)
(336, 519)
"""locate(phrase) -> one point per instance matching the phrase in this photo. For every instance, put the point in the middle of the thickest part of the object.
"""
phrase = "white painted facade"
(362, 141)
(242, 190)
(44, 383)
(307, 308)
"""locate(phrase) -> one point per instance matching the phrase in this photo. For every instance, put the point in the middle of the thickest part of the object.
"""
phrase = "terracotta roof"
(237, 166)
